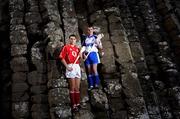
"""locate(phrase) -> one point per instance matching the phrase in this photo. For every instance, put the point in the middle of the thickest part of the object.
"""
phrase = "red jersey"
(70, 53)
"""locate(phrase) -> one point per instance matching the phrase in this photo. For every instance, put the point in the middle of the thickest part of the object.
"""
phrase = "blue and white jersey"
(90, 43)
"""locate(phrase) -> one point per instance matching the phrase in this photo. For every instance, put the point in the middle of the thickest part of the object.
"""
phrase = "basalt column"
(19, 62)
(137, 51)
(54, 40)
(5, 71)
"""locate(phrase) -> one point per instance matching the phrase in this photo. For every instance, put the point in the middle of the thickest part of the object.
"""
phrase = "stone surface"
(139, 70)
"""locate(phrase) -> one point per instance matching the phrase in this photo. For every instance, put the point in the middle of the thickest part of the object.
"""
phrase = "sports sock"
(90, 81)
(77, 97)
(72, 98)
(96, 80)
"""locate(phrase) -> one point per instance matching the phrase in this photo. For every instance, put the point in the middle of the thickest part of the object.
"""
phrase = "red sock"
(77, 97)
(72, 98)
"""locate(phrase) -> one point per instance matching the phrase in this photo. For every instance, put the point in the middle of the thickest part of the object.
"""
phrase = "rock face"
(139, 71)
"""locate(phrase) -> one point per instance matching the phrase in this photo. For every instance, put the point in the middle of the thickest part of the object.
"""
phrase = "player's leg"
(95, 62)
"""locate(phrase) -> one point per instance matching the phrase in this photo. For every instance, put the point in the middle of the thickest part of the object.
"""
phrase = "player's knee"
(76, 89)
(72, 88)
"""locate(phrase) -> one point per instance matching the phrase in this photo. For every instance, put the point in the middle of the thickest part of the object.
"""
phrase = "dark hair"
(90, 25)
(72, 35)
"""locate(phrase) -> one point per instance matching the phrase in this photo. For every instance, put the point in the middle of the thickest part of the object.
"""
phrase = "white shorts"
(75, 73)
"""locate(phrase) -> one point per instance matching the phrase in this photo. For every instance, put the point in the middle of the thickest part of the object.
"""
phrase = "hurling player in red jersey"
(70, 58)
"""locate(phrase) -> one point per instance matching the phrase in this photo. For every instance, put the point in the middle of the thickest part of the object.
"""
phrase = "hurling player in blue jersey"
(92, 44)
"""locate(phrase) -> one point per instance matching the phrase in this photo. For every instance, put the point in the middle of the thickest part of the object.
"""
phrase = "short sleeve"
(83, 38)
(62, 54)
(95, 36)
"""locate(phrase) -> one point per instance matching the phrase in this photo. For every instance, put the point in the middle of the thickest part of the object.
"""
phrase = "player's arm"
(98, 41)
(62, 58)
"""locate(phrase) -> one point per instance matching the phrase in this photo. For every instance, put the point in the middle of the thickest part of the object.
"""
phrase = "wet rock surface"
(139, 70)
